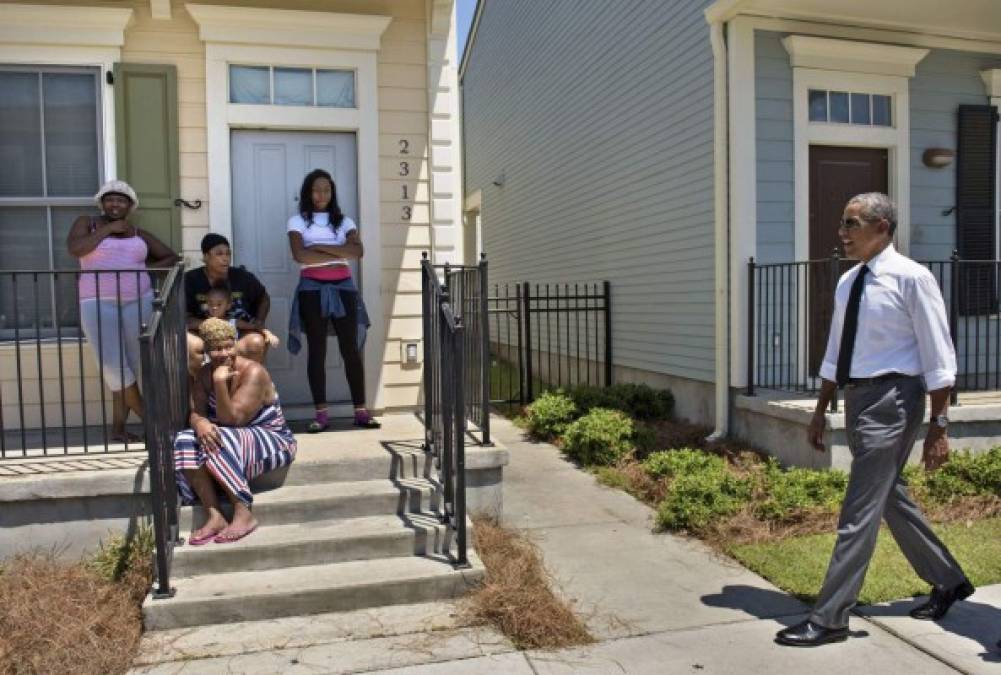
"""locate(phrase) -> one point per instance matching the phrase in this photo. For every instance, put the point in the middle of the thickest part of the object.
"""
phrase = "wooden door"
(836, 175)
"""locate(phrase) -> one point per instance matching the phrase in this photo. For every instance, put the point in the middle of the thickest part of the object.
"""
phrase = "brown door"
(836, 175)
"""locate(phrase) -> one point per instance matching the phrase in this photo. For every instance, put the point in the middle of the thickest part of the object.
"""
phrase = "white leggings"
(115, 342)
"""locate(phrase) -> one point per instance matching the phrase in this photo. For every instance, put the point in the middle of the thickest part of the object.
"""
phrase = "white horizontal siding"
(599, 116)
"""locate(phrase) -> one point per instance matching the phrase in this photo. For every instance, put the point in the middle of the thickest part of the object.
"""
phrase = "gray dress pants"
(882, 421)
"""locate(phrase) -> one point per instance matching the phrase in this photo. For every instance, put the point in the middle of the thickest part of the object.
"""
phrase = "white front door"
(268, 168)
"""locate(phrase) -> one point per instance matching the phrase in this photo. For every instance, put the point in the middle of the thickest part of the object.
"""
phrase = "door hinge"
(109, 77)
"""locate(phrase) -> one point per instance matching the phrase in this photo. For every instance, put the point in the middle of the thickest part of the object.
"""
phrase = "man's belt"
(879, 379)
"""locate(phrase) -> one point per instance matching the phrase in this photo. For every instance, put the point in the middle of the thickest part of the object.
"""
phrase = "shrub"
(601, 437)
(966, 474)
(702, 494)
(672, 463)
(637, 400)
(119, 555)
(793, 491)
(645, 438)
(548, 416)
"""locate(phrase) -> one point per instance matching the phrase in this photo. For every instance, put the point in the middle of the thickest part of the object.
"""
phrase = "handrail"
(467, 290)
(163, 350)
(445, 406)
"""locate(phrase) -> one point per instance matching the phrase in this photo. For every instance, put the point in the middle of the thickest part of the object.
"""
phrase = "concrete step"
(315, 543)
(314, 589)
(364, 462)
(325, 501)
(409, 623)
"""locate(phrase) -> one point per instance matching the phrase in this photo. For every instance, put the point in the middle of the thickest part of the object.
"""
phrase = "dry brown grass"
(58, 617)
(961, 509)
(517, 596)
(745, 528)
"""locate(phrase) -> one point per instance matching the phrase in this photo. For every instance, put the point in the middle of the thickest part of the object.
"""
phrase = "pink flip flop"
(233, 536)
(204, 539)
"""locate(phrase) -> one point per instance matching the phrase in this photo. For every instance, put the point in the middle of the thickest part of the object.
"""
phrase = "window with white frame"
(278, 85)
(50, 168)
(844, 107)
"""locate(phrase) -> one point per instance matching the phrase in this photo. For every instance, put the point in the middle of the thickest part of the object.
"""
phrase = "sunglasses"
(851, 223)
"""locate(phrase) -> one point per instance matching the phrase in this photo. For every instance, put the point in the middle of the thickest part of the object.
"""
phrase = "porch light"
(938, 158)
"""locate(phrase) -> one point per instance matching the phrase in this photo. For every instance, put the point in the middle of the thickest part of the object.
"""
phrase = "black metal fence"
(444, 403)
(163, 346)
(545, 336)
(467, 289)
(55, 357)
(790, 307)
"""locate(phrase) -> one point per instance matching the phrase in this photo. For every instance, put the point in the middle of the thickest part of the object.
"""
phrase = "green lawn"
(797, 565)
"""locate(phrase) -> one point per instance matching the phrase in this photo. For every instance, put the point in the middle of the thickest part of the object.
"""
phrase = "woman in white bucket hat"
(113, 304)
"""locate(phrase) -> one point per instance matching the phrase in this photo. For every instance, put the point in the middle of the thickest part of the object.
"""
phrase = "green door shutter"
(147, 148)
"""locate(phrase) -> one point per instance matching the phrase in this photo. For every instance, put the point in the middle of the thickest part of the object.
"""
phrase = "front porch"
(789, 314)
(777, 421)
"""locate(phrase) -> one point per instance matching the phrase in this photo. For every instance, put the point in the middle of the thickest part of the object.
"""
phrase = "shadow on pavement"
(973, 620)
(761, 603)
(764, 603)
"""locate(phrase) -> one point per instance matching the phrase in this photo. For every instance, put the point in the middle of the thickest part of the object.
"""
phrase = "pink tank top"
(114, 253)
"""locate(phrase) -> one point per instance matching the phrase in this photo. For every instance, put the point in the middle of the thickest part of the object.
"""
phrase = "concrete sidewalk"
(663, 604)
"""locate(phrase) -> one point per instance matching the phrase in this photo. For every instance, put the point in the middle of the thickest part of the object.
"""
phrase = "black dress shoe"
(940, 601)
(810, 634)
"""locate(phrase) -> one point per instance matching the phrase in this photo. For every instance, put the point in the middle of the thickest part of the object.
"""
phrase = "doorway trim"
(895, 139)
(226, 43)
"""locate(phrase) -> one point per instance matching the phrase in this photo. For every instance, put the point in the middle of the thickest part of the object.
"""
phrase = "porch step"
(329, 464)
(326, 501)
(315, 543)
(313, 589)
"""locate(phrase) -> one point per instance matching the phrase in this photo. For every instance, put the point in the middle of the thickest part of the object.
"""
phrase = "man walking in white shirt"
(889, 343)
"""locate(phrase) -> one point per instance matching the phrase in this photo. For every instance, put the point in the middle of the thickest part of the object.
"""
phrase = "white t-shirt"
(320, 232)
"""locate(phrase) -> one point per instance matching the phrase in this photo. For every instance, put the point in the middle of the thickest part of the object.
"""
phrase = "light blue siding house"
(664, 144)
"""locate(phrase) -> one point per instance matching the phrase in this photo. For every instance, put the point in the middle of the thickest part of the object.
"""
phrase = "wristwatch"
(941, 421)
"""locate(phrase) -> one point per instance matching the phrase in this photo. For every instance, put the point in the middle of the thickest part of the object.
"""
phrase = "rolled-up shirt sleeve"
(829, 367)
(931, 328)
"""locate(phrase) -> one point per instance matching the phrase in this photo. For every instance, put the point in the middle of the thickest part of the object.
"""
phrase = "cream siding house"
(392, 139)
(664, 145)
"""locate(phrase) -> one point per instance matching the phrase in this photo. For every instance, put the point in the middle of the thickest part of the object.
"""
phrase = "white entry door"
(268, 168)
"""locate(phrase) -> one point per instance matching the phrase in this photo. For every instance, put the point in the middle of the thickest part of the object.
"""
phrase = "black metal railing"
(53, 399)
(547, 336)
(163, 347)
(444, 403)
(467, 289)
(790, 307)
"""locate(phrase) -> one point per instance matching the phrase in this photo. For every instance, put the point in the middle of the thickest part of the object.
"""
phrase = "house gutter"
(721, 172)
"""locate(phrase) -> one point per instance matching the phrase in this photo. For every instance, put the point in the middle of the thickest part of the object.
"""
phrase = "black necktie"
(849, 328)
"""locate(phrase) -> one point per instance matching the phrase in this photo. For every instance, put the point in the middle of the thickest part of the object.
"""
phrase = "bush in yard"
(548, 416)
(637, 400)
(601, 437)
(966, 475)
(672, 463)
(787, 493)
(701, 492)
